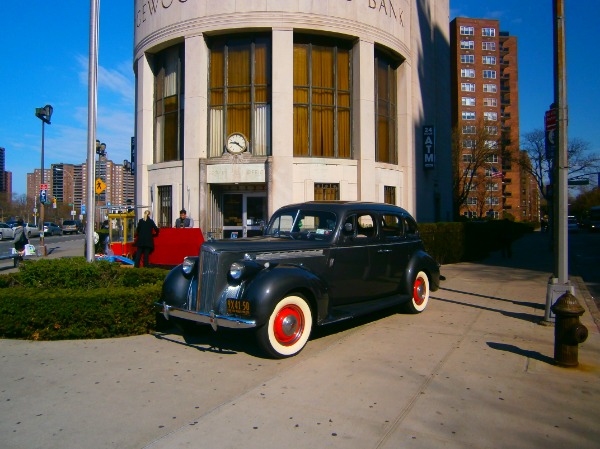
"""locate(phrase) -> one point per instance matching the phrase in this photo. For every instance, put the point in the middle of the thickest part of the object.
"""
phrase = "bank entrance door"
(244, 214)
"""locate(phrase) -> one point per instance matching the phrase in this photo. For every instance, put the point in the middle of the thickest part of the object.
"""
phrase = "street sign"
(43, 196)
(83, 209)
(43, 186)
(100, 186)
(550, 125)
(578, 182)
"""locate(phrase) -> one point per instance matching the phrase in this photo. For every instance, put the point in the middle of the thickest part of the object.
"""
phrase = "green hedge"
(55, 299)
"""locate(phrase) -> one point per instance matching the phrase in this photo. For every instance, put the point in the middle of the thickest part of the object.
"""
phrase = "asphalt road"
(584, 260)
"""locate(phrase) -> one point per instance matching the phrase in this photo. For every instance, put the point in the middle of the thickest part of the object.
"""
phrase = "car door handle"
(384, 251)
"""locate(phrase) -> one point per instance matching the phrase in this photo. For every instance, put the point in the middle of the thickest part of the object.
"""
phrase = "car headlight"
(236, 270)
(187, 265)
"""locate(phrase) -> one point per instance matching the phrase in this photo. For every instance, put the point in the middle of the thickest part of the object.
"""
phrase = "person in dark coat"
(146, 231)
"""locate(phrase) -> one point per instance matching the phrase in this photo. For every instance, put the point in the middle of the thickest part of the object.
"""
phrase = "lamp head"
(44, 113)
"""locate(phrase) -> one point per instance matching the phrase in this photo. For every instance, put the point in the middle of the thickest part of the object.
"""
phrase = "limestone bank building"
(243, 106)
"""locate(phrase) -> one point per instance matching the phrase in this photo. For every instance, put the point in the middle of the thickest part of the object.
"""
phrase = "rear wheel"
(419, 294)
(288, 328)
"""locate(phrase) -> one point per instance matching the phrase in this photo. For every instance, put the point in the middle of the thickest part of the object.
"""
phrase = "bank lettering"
(149, 8)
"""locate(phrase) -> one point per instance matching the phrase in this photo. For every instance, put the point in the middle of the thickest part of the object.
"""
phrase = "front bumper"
(205, 318)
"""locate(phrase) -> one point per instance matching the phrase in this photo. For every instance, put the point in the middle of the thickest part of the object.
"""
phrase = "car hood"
(263, 244)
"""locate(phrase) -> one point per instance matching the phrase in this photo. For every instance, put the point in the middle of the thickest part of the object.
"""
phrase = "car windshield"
(302, 224)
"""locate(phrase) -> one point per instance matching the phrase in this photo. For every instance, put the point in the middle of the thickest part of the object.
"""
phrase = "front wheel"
(419, 294)
(288, 328)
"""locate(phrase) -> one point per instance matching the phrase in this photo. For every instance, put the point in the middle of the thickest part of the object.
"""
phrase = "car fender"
(272, 284)
(176, 288)
(421, 261)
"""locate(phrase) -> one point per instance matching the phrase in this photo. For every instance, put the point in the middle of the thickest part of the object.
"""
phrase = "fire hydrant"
(568, 331)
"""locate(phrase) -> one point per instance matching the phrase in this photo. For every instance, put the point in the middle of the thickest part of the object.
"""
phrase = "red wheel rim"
(419, 291)
(288, 325)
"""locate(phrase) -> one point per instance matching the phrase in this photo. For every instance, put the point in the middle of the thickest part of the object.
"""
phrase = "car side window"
(359, 228)
(393, 227)
(410, 226)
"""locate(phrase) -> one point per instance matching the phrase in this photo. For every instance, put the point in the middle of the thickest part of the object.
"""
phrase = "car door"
(400, 240)
(356, 263)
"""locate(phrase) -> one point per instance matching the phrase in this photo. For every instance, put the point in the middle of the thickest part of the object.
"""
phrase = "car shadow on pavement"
(520, 316)
(522, 352)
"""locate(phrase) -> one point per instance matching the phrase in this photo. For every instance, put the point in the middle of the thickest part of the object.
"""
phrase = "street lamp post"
(44, 114)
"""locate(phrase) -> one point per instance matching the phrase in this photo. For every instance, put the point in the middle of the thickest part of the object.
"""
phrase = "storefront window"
(168, 107)
(385, 101)
(240, 93)
(322, 99)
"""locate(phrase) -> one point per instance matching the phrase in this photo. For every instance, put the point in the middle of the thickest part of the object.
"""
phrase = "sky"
(45, 47)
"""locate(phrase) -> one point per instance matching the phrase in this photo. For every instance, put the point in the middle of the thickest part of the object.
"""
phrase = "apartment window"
(385, 110)
(469, 129)
(492, 116)
(488, 60)
(471, 201)
(322, 98)
(490, 144)
(490, 88)
(240, 93)
(467, 59)
(488, 46)
(488, 32)
(468, 101)
(468, 172)
(490, 102)
(165, 207)
(468, 115)
(467, 31)
(389, 194)
(491, 158)
(468, 143)
(467, 45)
(489, 74)
(327, 191)
(168, 107)
(467, 158)
(491, 187)
(494, 201)
(467, 87)
(491, 130)
(467, 73)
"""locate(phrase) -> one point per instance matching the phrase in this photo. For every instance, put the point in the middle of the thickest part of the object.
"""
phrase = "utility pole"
(559, 282)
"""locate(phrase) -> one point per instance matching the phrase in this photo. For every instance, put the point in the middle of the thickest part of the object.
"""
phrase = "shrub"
(53, 299)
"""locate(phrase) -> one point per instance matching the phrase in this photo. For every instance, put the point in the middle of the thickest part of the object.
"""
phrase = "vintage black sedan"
(317, 263)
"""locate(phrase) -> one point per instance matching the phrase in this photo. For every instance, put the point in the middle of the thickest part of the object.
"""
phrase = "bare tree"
(473, 150)
(534, 161)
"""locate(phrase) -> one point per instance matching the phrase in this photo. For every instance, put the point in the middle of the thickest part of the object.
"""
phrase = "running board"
(350, 311)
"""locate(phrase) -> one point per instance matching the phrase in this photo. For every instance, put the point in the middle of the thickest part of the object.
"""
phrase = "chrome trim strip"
(205, 318)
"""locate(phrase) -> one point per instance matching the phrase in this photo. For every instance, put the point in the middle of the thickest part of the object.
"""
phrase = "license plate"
(238, 307)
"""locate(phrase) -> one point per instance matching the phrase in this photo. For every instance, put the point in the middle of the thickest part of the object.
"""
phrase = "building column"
(282, 183)
(363, 68)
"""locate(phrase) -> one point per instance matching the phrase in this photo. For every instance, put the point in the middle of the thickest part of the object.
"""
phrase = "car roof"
(342, 206)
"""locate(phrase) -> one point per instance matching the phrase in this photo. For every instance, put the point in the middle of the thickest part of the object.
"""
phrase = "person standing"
(146, 231)
(20, 239)
(184, 221)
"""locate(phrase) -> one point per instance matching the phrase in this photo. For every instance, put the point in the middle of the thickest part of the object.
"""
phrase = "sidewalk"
(475, 370)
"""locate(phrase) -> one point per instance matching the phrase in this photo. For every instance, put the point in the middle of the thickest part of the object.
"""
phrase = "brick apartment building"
(485, 102)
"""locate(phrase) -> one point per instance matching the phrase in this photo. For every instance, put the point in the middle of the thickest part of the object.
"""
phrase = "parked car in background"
(6, 232)
(317, 263)
(71, 227)
(52, 228)
(31, 230)
(572, 225)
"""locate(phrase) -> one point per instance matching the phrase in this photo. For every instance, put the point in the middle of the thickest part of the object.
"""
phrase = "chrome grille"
(208, 279)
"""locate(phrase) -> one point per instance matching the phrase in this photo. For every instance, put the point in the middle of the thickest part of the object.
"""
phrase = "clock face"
(236, 143)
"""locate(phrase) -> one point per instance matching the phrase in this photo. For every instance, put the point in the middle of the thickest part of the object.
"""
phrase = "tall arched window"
(168, 104)
(385, 109)
(322, 98)
(240, 92)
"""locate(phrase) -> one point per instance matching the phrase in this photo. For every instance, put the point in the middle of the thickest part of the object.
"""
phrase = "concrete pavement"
(475, 370)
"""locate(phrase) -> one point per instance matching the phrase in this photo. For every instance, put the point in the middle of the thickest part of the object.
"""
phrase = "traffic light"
(53, 203)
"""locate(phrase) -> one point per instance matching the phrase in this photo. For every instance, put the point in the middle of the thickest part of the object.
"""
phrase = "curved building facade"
(245, 106)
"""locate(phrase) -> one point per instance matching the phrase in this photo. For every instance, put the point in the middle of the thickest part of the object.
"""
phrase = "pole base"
(553, 292)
